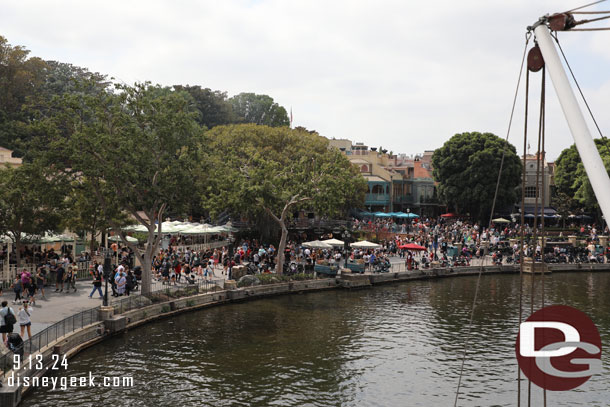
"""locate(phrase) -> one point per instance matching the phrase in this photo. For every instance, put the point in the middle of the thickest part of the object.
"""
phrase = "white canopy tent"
(317, 244)
(365, 245)
(334, 242)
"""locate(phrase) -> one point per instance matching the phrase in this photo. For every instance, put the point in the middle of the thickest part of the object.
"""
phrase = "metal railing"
(51, 334)
(162, 293)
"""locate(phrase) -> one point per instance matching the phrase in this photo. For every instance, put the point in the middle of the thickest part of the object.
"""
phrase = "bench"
(356, 268)
(330, 271)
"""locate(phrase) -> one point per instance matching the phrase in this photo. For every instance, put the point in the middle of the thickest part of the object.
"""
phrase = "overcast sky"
(405, 75)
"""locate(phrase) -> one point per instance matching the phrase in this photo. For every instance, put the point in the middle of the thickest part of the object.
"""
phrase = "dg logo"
(559, 348)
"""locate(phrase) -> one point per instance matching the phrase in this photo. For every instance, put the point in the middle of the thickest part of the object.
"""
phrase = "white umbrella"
(200, 230)
(334, 242)
(136, 228)
(316, 244)
(117, 238)
(366, 245)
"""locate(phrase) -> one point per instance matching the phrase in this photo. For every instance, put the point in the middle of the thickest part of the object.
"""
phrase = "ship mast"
(598, 176)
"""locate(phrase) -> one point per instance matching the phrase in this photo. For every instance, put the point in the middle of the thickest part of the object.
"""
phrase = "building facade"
(6, 158)
(396, 183)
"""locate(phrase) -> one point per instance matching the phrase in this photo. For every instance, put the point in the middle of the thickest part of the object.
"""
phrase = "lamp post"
(231, 240)
(107, 273)
(409, 220)
(346, 235)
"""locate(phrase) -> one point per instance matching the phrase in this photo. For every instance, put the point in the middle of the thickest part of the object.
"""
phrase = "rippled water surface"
(397, 345)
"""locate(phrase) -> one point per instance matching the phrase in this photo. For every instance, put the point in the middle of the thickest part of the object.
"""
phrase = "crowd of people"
(436, 239)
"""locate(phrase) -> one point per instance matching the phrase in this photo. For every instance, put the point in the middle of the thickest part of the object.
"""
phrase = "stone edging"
(76, 341)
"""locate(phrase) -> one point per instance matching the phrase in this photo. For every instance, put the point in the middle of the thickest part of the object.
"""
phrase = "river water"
(395, 345)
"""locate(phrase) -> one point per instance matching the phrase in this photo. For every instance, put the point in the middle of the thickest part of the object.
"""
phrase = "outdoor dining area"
(329, 266)
(194, 235)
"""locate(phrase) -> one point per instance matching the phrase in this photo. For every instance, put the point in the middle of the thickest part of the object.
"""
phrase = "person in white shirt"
(24, 319)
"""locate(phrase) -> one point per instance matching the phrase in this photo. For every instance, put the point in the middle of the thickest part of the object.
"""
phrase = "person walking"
(17, 289)
(24, 317)
(97, 281)
(6, 321)
(59, 273)
(41, 275)
(71, 278)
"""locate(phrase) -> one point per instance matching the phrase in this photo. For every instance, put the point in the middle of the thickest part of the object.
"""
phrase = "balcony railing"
(377, 198)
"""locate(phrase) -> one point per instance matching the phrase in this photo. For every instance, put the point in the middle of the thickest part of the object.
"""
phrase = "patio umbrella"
(412, 246)
(135, 228)
(382, 215)
(317, 244)
(334, 242)
(117, 238)
(500, 220)
(365, 245)
(450, 215)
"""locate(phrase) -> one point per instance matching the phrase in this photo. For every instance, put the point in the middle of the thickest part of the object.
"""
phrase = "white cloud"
(407, 75)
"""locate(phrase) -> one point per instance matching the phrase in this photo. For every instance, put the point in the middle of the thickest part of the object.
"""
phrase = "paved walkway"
(59, 305)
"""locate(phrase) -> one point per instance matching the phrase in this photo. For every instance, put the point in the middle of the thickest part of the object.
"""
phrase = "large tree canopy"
(138, 143)
(466, 168)
(259, 109)
(571, 178)
(259, 169)
(214, 108)
(31, 202)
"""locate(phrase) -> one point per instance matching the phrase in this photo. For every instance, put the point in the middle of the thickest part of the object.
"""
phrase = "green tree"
(258, 169)
(466, 168)
(571, 178)
(84, 211)
(137, 142)
(565, 170)
(213, 106)
(31, 202)
(584, 194)
(20, 77)
(259, 109)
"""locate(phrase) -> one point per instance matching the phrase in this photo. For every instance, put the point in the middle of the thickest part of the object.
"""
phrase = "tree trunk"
(282, 247)
(17, 248)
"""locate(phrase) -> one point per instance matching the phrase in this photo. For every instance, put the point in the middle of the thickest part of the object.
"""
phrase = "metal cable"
(521, 249)
(591, 12)
(591, 20)
(542, 153)
(588, 29)
(476, 293)
(582, 95)
(585, 6)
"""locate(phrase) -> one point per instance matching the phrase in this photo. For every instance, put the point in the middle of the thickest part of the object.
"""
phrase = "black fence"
(51, 334)
(162, 293)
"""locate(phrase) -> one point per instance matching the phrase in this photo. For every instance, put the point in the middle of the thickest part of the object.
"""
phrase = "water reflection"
(397, 345)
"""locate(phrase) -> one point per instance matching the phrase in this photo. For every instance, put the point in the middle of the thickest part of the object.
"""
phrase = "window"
(530, 192)
(377, 189)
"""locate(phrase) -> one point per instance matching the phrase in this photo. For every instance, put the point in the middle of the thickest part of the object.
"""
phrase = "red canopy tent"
(450, 215)
(411, 246)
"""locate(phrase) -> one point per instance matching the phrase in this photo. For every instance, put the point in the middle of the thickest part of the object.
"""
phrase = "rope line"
(582, 95)
(591, 12)
(588, 29)
(591, 20)
(522, 247)
(586, 5)
(476, 293)
(542, 231)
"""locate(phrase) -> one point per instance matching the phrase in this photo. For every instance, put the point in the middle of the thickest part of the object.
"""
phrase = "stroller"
(15, 344)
